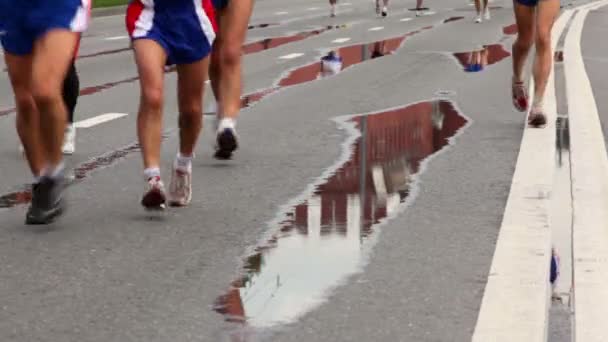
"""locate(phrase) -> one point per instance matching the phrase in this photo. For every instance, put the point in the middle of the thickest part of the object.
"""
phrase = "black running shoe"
(47, 201)
(227, 143)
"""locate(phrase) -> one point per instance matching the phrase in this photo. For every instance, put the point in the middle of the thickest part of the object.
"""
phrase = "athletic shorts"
(25, 21)
(184, 28)
(220, 4)
(530, 3)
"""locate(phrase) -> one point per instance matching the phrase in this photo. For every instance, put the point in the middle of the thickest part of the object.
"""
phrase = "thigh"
(190, 84)
(548, 10)
(52, 56)
(150, 58)
(233, 21)
(20, 74)
(525, 17)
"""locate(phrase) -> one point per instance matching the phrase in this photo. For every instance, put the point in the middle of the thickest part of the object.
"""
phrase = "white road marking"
(292, 56)
(346, 4)
(117, 38)
(590, 193)
(377, 28)
(312, 8)
(405, 19)
(517, 296)
(97, 120)
(281, 13)
(340, 40)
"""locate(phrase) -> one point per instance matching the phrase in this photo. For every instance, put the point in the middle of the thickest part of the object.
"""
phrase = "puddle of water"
(561, 215)
(476, 61)
(350, 55)
(271, 43)
(325, 238)
(449, 20)
(510, 30)
(258, 26)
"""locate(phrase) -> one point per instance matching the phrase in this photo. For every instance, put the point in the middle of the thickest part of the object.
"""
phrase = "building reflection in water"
(324, 238)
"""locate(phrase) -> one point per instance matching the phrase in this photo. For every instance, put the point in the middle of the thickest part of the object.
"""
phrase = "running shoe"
(227, 141)
(154, 197)
(47, 201)
(378, 7)
(486, 14)
(384, 11)
(69, 140)
(180, 189)
(520, 96)
(537, 118)
(478, 19)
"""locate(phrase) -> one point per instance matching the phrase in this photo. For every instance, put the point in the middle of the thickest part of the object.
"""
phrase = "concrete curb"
(108, 11)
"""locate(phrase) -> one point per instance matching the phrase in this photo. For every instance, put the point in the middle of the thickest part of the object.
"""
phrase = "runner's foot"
(154, 197)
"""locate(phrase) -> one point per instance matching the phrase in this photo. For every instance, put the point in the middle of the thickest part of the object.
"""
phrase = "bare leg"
(150, 58)
(543, 60)
(191, 80)
(525, 18)
(52, 55)
(28, 118)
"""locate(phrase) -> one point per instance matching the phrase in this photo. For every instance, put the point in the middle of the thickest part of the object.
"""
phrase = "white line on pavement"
(117, 38)
(516, 298)
(97, 120)
(292, 56)
(589, 164)
(312, 8)
(281, 13)
(377, 28)
(405, 19)
(340, 40)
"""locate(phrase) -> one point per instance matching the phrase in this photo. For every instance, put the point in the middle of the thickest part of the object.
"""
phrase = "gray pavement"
(110, 272)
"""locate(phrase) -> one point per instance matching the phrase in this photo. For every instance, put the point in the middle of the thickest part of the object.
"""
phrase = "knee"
(543, 41)
(229, 54)
(45, 94)
(26, 106)
(152, 98)
(190, 116)
(524, 41)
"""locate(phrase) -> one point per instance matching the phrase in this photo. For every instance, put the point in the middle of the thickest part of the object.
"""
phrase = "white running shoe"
(378, 7)
(154, 196)
(180, 189)
(486, 14)
(478, 19)
(69, 140)
(384, 11)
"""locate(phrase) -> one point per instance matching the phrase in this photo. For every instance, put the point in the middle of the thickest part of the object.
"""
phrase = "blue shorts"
(185, 29)
(220, 4)
(25, 21)
(530, 3)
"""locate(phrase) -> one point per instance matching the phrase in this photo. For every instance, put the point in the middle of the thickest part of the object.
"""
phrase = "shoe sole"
(226, 145)
(154, 200)
(48, 218)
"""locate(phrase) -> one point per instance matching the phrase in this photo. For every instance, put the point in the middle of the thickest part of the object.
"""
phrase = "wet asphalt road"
(400, 254)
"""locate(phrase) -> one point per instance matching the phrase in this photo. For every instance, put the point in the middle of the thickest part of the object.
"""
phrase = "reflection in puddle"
(270, 43)
(257, 26)
(476, 61)
(349, 55)
(510, 30)
(324, 239)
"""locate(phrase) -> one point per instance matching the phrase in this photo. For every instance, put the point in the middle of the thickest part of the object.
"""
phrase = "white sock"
(152, 172)
(53, 172)
(183, 163)
(226, 123)
(537, 103)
